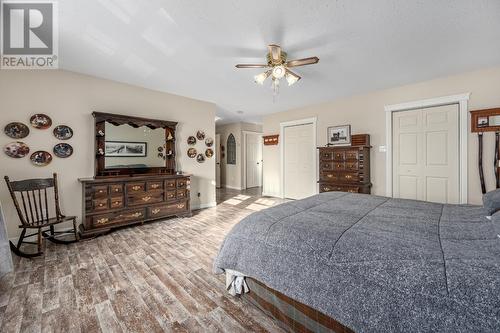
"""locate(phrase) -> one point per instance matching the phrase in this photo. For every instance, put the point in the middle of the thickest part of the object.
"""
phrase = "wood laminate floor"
(155, 277)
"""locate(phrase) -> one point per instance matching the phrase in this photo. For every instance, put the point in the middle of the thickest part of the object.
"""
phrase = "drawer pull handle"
(180, 206)
(329, 175)
(136, 187)
(348, 176)
(100, 191)
(116, 202)
(101, 205)
(117, 190)
(156, 211)
(155, 186)
(146, 199)
(102, 220)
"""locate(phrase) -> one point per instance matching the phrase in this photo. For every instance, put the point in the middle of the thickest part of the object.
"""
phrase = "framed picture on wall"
(339, 135)
(482, 121)
(126, 149)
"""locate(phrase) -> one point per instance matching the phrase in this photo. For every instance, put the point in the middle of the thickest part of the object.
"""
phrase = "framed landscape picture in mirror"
(126, 149)
(339, 135)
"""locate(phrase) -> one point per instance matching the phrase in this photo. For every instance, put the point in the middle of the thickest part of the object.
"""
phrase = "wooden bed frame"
(291, 315)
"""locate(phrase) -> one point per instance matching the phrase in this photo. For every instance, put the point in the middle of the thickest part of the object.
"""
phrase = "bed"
(371, 263)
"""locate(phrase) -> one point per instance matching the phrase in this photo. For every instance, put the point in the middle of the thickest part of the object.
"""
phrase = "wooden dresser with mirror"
(346, 168)
(135, 174)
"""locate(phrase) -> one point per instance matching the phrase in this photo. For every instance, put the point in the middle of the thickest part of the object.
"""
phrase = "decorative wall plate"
(191, 140)
(41, 158)
(209, 142)
(16, 149)
(63, 150)
(63, 132)
(200, 158)
(200, 135)
(16, 130)
(209, 152)
(40, 121)
(192, 152)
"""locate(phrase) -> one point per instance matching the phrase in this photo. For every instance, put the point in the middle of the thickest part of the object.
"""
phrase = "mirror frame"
(116, 119)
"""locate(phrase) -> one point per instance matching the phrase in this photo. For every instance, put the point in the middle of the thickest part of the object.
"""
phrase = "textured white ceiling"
(190, 47)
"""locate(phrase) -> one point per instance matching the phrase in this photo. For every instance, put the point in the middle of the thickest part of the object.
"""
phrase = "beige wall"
(232, 174)
(366, 114)
(69, 98)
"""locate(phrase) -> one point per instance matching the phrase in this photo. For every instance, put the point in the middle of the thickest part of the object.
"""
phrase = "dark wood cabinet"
(111, 202)
(125, 194)
(345, 168)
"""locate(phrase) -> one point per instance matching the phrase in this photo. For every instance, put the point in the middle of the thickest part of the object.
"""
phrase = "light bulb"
(279, 72)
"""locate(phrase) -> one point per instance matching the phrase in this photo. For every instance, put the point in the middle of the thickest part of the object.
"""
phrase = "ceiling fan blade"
(275, 52)
(250, 66)
(302, 62)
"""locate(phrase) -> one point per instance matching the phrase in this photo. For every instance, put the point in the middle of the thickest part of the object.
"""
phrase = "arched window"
(231, 149)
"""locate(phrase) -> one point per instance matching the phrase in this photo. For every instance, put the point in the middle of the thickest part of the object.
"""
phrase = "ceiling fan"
(278, 66)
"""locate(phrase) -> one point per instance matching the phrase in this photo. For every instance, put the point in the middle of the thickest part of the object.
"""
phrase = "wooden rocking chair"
(34, 213)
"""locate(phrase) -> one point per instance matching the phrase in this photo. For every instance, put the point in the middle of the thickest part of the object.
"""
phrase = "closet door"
(426, 154)
(299, 151)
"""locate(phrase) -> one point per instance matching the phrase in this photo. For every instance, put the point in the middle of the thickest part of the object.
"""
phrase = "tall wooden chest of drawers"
(345, 168)
(112, 202)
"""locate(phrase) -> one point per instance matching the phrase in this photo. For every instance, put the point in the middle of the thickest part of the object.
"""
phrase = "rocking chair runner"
(34, 213)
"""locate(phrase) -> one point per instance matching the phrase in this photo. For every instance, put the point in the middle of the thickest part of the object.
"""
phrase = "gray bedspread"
(375, 264)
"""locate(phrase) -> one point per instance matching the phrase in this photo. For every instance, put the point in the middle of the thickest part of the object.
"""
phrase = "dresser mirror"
(127, 145)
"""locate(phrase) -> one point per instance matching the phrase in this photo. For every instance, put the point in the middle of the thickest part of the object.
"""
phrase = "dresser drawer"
(181, 194)
(100, 191)
(351, 155)
(115, 189)
(328, 176)
(170, 184)
(338, 166)
(349, 177)
(339, 188)
(352, 166)
(339, 155)
(145, 198)
(105, 220)
(154, 186)
(136, 188)
(100, 204)
(168, 210)
(326, 155)
(325, 165)
(181, 183)
(171, 195)
(116, 202)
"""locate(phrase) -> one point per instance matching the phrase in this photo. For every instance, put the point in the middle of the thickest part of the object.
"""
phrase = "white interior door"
(426, 154)
(299, 152)
(217, 160)
(253, 160)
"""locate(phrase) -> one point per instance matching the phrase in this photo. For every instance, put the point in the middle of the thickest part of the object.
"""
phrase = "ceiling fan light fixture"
(291, 79)
(260, 78)
(279, 71)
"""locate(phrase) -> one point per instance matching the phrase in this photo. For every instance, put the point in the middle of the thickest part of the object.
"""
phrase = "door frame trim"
(463, 119)
(313, 121)
(244, 157)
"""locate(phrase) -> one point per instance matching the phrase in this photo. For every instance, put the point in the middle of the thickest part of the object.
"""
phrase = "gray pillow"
(491, 201)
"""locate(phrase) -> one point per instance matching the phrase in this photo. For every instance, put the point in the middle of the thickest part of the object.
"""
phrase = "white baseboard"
(232, 187)
(275, 195)
(203, 206)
